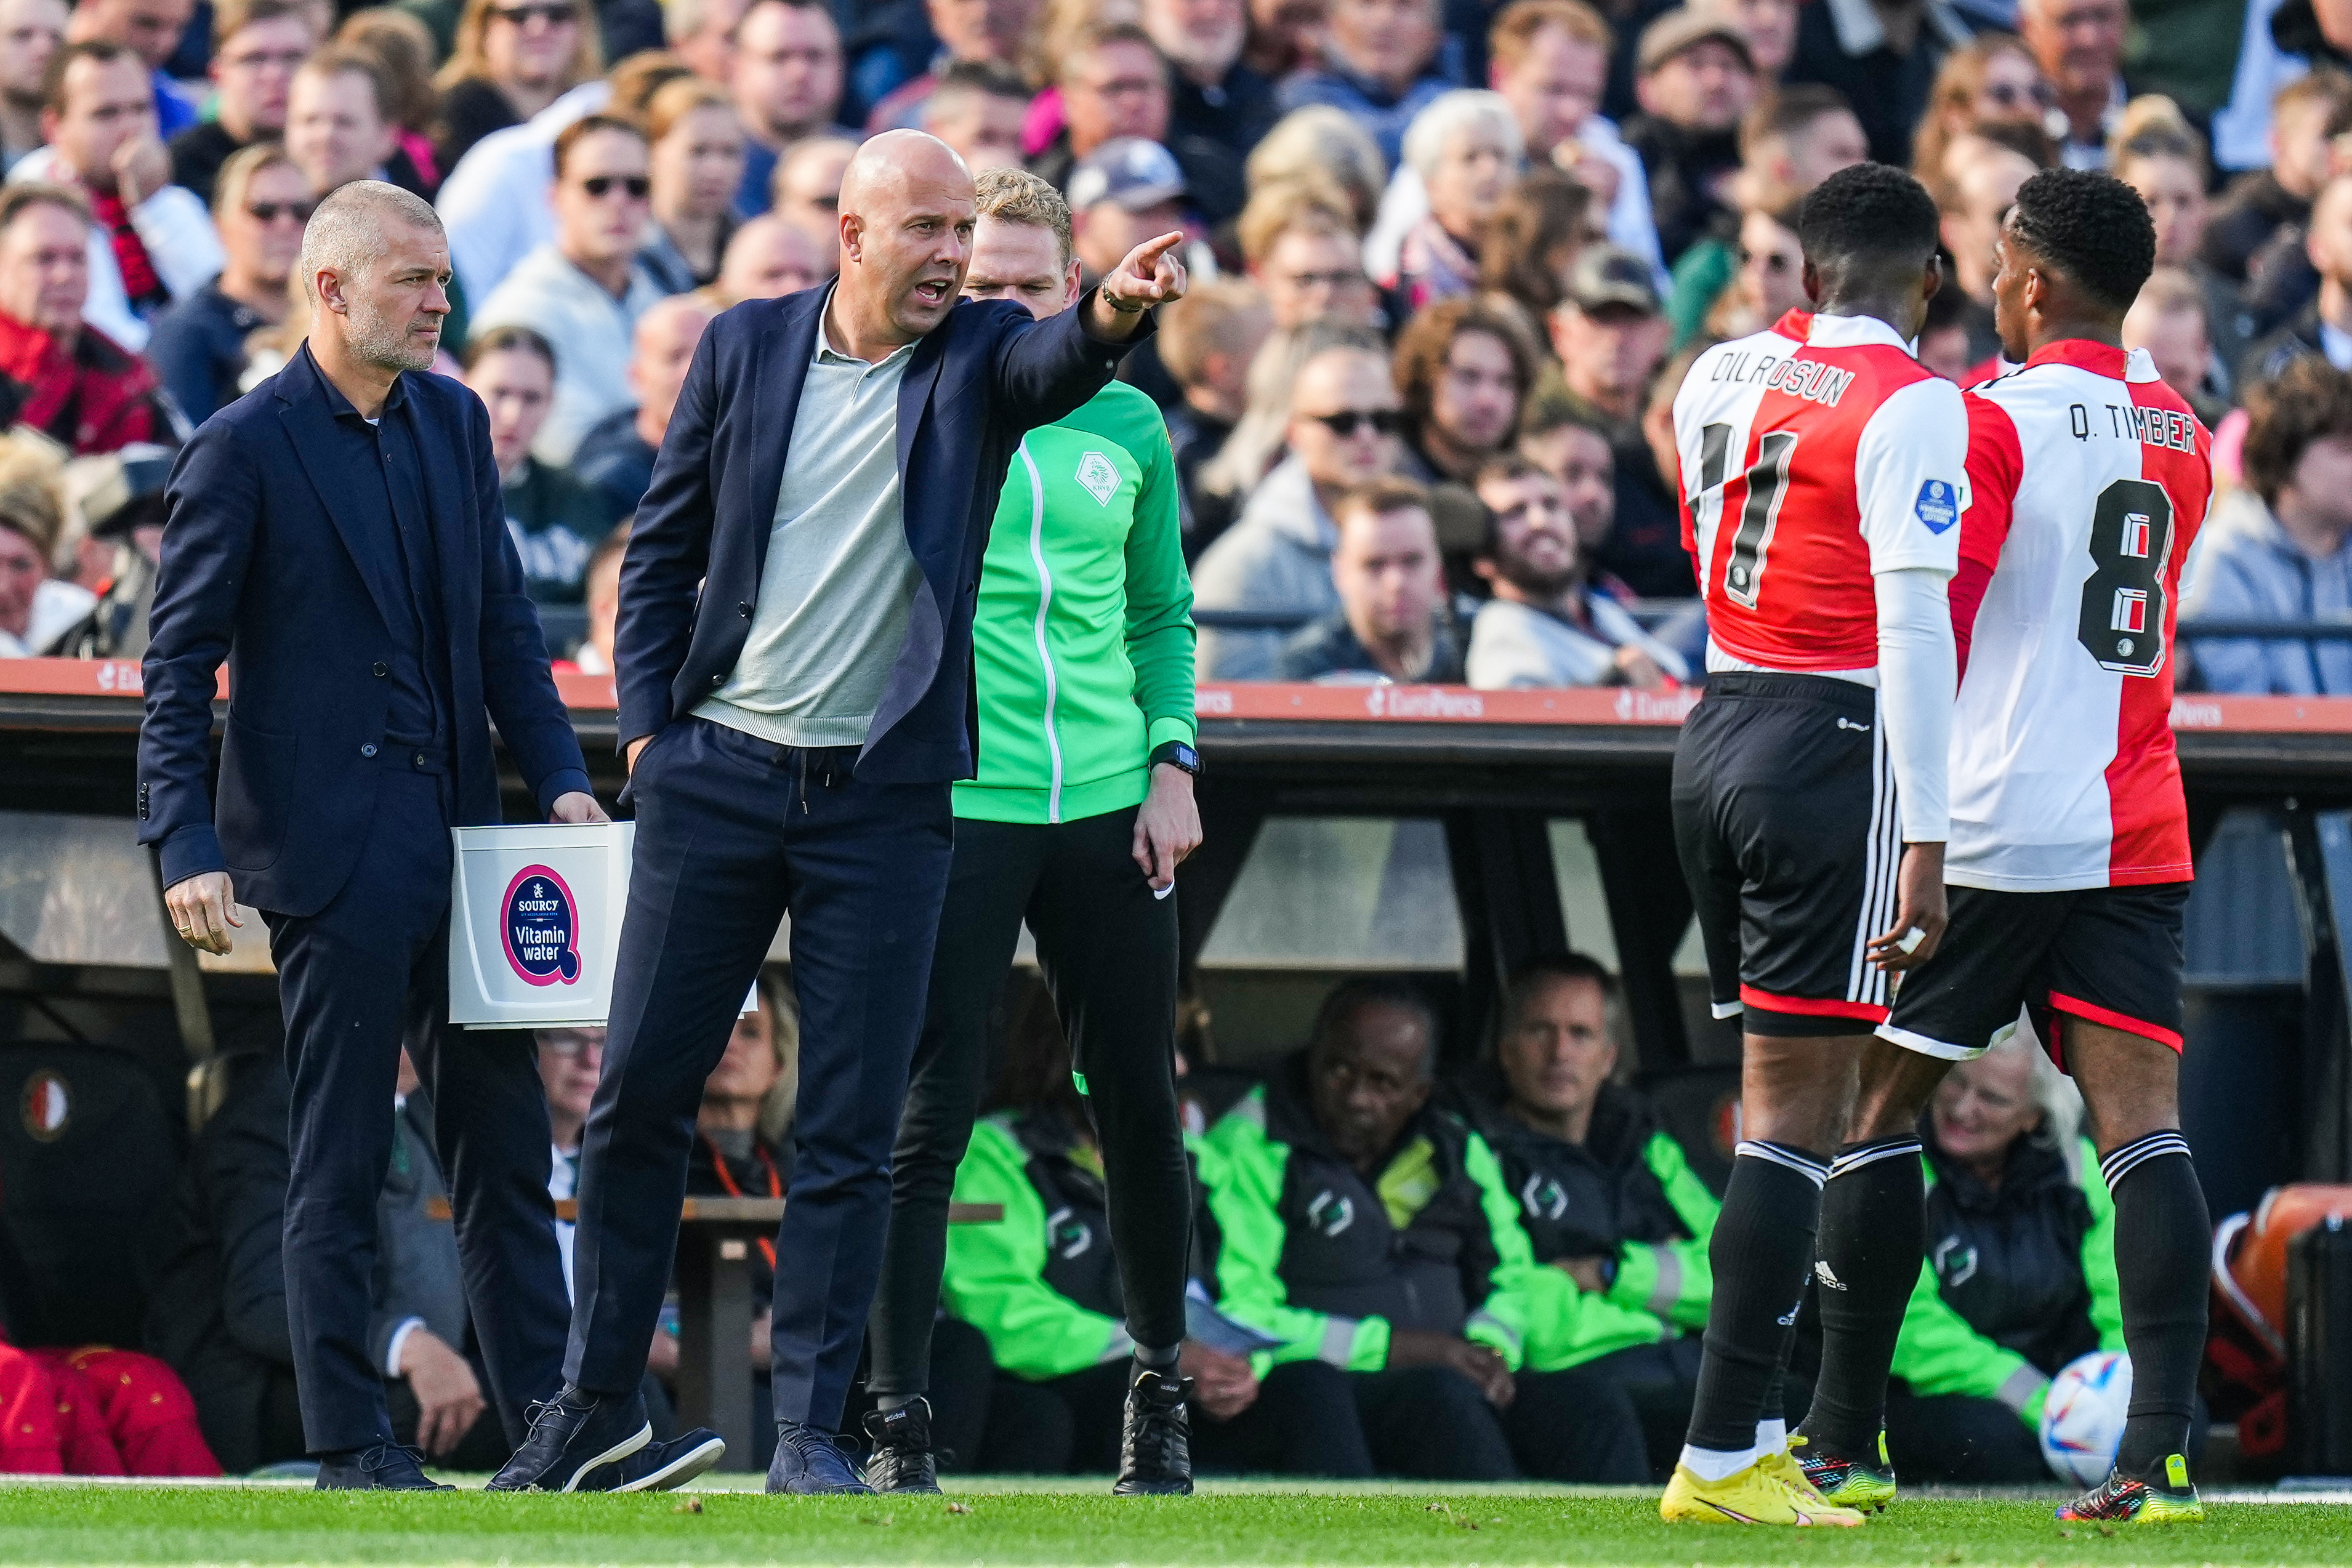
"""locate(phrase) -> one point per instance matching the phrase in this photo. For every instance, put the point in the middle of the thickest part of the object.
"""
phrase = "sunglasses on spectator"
(601, 186)
(1349, 421)
(2009, 95)
(520, 16)
(1774, 261)
(270, 211)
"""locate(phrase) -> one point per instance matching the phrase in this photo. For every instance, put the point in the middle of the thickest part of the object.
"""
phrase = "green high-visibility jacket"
(1082, 638)
(1314, 1252)
(1003, 1277)
(1940, 1353)
(1625, 1192)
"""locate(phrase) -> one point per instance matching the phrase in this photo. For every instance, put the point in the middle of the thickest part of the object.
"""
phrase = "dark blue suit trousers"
(359, 979)
(732, 832)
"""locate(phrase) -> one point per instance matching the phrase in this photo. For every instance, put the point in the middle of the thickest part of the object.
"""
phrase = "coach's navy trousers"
(357, 980)
(732, 832)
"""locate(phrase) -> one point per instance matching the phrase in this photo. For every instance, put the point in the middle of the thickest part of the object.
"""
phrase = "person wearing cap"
(120, 524)
(1696, 80)
(1611, 333)
(1383, 62)
(1115, 86)
(1121, 195)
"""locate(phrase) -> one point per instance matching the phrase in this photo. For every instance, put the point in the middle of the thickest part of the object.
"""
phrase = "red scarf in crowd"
(93, 398)
(139, 278)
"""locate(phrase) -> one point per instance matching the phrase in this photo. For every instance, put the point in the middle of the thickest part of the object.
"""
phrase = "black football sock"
(2163, 1238)
(1763, 1244)
(1874, 1229)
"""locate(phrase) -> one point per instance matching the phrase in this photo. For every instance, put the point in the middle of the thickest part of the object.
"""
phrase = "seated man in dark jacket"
(1392, 623)
(1604, 1196)
(1367, 1227)
(218, 1313)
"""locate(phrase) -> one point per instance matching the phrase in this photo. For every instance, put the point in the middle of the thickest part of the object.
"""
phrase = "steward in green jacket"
(1043, 1284)
(1605, 1196)
(2019, 1278)
(1083, 648)
(1366, 1227)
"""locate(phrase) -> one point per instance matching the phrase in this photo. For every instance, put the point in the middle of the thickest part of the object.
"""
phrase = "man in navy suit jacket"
(794, 664)
(339, 538)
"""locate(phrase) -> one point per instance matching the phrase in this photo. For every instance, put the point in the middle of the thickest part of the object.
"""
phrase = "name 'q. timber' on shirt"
(2091, 478)
(1814, 454)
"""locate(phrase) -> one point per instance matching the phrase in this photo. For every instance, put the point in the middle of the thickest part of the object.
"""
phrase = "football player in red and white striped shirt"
(1824, 477)
(2069, 853)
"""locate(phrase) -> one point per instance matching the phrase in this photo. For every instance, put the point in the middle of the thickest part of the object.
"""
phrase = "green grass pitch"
(70, 1524)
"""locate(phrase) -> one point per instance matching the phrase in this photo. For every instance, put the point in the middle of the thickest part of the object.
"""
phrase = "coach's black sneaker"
(571, 1436)
(810, 1463)
(387, 1467)
(903, 1459)
(1155, 1454)
(658, 1467)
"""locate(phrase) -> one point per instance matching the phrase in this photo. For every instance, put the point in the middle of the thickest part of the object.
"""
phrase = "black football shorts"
(1785, 822)
(2112, 956)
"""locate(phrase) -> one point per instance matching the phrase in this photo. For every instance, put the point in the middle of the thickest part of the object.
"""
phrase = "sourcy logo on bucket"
(541, 927)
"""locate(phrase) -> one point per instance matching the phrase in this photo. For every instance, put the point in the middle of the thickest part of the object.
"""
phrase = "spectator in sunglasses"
(260, 202)
(1992, 81)
(1345, 420)
(1770, 281)
(584, 289)
(512, 58)
(257, 45)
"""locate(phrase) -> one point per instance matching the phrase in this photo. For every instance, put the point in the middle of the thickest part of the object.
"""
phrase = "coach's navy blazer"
(260, 568)
(984, 377)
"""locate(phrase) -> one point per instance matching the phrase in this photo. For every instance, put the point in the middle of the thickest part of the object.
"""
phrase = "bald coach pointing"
(793, 655)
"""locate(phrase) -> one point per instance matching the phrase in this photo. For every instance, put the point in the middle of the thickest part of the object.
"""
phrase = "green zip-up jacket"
(1312, 1251)
(997, 1275)
(1940, 1351)
(1082, 639)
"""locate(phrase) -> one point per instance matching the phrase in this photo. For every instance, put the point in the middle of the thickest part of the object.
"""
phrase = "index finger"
(1151, 250)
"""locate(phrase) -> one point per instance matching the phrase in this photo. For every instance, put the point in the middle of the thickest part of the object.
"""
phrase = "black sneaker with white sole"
(659, 1467)
(571, 1436)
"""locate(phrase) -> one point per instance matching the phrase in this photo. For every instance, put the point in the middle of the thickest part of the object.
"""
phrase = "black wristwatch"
(1177, 753)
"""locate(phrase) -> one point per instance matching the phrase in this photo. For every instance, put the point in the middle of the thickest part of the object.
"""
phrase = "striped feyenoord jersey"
(1814, 456)
(2091, 478)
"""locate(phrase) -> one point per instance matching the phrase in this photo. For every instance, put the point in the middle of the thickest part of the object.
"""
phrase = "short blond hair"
(1316, 206)
(1017, 196)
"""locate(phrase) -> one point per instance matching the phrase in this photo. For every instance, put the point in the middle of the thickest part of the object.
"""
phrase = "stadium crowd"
(1453, 257)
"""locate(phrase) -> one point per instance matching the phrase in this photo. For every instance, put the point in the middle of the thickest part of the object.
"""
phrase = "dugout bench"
(1493, 770)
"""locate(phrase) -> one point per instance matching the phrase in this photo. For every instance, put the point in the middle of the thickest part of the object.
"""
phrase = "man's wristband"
(1177, 753)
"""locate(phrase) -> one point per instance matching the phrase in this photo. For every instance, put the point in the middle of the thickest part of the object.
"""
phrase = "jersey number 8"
(2123, 601)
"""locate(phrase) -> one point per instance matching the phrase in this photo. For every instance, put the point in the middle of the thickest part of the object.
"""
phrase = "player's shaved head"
(1870, 235)
(907, 217)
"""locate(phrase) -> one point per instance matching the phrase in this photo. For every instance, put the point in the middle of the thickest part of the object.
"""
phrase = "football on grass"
(2082, 1420)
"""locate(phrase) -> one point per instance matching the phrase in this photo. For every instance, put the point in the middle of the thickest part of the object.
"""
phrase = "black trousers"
(356, 981)
(1577, 1424)
(733, 832)
(1954, 1438)
(1109, 952)
(1302, 1423)
(1655, 1383)
(1430, 1423)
